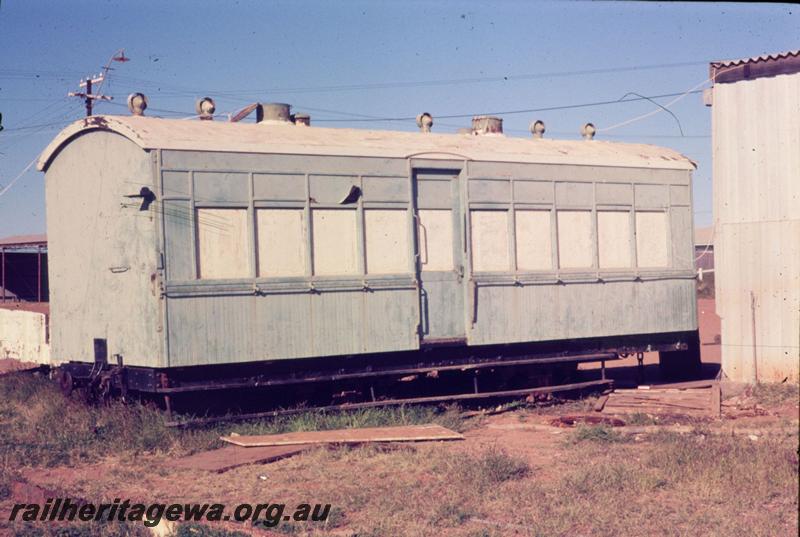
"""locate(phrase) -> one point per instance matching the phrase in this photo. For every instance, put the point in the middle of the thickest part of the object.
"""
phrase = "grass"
(95, 529)
(639, 418)
(597, 433)
(39, 427)
(774, 394)
(670, 485)
(493, 467)
(597, 483)
(92, 529)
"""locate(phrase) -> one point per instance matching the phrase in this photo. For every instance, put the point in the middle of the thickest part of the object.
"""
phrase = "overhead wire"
(17, 178)
(666, 106)
(513, 112)
(424, 83)
(356, 117)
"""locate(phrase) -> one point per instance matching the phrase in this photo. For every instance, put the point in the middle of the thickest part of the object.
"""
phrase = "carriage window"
(334, 236)
(435, 239)
(386, 234)
(614, 239)
(534, 248)
(651, 239)
(222, 250)
(575, 239)
(489, 231)
(281, 242)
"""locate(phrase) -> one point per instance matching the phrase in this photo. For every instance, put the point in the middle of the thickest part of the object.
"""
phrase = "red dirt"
(9, 365)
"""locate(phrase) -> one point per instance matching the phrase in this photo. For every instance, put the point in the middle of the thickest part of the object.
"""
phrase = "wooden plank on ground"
(670, 400)
(716, 400)
(601, 402)
(229, 457)
(412, 433)
(692, 384)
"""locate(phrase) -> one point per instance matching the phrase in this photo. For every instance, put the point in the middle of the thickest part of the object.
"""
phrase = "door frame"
(456, 170)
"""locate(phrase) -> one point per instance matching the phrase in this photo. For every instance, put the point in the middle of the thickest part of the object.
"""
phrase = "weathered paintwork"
(132, 276)
(103, 256)
(756, 237)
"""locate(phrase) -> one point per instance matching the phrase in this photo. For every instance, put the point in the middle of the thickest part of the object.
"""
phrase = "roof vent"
(274, 113)
(425, 122)
(487, 125)
(205, 108)
(588, 131)
(304, 120)
(137, 103)
(537, 129)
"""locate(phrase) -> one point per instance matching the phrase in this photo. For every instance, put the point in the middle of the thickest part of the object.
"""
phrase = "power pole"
(87, 95)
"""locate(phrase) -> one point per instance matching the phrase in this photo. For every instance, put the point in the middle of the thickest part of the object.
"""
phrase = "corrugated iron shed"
(267, 138)
(756, 133)
(728, 71)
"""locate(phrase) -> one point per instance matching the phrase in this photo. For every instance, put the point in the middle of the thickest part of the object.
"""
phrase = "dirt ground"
(369, 486)
(514, 474)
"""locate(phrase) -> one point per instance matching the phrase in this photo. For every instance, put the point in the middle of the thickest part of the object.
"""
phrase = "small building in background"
(756, 142)
(23, 269)
(704, 247)
(704, 260)
(24, 296)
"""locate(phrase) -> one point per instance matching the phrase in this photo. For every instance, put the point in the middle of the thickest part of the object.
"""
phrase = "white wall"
(756, 143)
(102, 253)
(23, 336)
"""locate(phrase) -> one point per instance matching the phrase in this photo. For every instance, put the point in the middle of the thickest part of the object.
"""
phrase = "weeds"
(490, 468)
(44, 428)
(595, 484)
(639, 418)
(198, 530)
(94, 529)
(598, 433)
(775, 394)
(39, 426)
(450, 515)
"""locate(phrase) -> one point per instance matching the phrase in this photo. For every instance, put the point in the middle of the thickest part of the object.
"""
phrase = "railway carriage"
(188, 255)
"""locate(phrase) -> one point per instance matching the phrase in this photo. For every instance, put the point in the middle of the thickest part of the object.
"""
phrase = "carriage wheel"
(66, 383)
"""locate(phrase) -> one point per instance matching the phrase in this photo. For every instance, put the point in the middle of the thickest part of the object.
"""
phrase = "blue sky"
(336, 60)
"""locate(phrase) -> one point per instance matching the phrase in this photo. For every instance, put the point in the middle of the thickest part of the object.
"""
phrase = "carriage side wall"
(617, 261)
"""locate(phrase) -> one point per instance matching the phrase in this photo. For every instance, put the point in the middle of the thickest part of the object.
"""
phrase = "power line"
(30, 127)
(428, 83)
(523, 111)
(162, 110)
(17, 178)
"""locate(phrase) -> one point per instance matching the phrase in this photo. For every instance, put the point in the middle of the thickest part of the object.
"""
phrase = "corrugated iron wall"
(756, 139)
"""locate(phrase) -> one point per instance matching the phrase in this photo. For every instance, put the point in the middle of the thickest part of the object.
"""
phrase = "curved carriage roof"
(286, 138)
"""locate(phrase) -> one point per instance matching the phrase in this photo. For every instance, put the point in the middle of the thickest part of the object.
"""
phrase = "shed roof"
(24, 240)
(781, 63)
(268, 137)
(704, 236)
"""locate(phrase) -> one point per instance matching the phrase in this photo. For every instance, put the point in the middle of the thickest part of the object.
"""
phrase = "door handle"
(422, 234)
